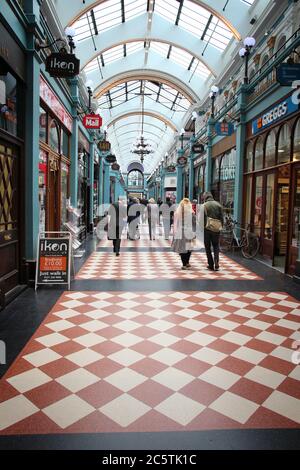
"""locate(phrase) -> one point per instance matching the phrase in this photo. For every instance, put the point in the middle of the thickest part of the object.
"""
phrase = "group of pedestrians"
(190, 223)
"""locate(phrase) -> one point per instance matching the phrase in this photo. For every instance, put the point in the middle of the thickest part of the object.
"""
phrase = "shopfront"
(54, 160)
(272, 183)
(199, 178)
(83, 183)
(12, 76)
(223, 180)
(96, 188)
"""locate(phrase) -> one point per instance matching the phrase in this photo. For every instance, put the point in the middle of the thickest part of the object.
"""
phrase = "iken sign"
(92, 121)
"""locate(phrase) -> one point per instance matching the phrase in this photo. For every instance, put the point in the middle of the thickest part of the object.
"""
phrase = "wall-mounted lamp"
(245, 52)
(213, 94)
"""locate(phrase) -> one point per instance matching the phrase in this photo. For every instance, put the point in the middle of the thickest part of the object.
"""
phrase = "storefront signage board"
(274, 114)
(53, 259)
(104, 146)
(286, 74)
(62, 65)
(115, 167)
(198, 148)
(181, 161)
(92, 121)
(224, 128)
(111, 158)
(48, 96)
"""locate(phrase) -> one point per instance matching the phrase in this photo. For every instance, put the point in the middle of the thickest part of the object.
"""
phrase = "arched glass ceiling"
(183, 13)
(167, 51)
(155, 91)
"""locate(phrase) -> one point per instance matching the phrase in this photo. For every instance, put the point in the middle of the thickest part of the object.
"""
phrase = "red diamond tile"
(58, 368)
(144, 331)
(247, 330)
(146, 347)
(214, 331)
(237, 318)
(266, 318)
(151, 393)
(38, 423)
(280, 330)
(210, 419)
(99, 394)
(262, 346)
(7, 391)
(69, 347)
(237, 366)
(106, 348)
(179, 331)
(148, 367)
(192, 366)
(156, 422)
(264, 418)
(250, 390)
(84, 309)
(74, 332)
(185, 347)
(224, 346)
(47, 394)
(103, 367)
(143, 319)
(277, 365)
(206, 318)
(19, 366)
(290, 387)
(201, 391)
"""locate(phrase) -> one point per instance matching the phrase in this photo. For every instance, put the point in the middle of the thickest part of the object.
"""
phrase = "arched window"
(270, 158)
(281, 44)
(249, 157)
(284, 144)
(296, 152)
(54, 136)
(258, 154)
(135, 178)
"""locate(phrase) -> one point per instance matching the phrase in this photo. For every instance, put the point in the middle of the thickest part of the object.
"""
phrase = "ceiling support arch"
(166, 121)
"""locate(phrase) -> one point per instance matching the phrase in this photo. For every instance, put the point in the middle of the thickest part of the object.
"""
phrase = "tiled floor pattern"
(167, 361)
(156, 265)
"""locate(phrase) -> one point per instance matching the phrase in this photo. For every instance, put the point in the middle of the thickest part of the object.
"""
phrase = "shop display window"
(296, 153)
(65, 148)
(43, 125)
(284, 144)
(248, 199)
(269, 204)
(64, 192)
(258, 204)
(270, 158)
(54, 136)
(8, 103)
(43, 159)
(296, 214)
(259, 154)
(249, 157)
(227, 173)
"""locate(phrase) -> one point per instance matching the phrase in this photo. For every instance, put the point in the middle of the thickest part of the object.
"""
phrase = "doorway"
(282, 219)
(53, 192)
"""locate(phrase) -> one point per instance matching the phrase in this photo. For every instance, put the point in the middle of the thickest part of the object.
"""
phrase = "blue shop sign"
(286, 74)
(275, 114)
(224, 128)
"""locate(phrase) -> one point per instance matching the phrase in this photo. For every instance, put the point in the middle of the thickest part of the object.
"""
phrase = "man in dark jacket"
(213, 210)
(117, 213)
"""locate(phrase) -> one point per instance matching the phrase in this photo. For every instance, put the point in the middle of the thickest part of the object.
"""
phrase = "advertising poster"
(53, 265)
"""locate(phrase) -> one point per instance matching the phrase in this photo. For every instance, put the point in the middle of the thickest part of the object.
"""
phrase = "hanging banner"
(224, 128)
(60, 64)
(198, 148)
(53, 258)
(104, 146)
(286, 74)
(92, 121)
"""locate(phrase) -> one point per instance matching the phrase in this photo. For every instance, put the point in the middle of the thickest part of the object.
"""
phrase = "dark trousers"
(117, 245)
(212, 241)
(185, 258)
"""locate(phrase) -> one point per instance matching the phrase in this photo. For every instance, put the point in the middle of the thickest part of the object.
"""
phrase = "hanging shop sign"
(92, 121)
(274, 114)
(111, 158)
(171, 168)
(158, 179)
(104, 146)
(224, 128)
(181, 161)
(286, 74)
(63, 65)
(53, 258)
(198, 148)
(115, 167)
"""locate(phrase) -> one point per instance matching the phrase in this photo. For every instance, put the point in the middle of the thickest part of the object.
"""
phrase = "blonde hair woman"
(184, 240)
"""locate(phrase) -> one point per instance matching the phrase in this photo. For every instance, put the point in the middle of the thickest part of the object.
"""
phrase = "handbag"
(214, 225)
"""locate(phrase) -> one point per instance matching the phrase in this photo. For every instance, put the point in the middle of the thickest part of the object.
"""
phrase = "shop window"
(269, 219)
(43, 125)
(65, 143)
(258, 204)
(248, 198)
(64, 192)
(54, 136)
(259, 154)
(42, 190)
(249, 157)
(296, 151)
(227, 173)
(8, 103)
(270, 158)
(284, 144)
(296, 214)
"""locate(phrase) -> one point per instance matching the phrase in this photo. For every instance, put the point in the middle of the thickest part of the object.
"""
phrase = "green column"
(208, 179)
(106, 183)
(74, 143)
(191, 168)
(240, 151)
(32, 125)
(91, 175)
(179, 191)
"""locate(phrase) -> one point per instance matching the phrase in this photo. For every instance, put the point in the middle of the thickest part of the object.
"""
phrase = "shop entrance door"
(295, 223)
(9, 220)
(282, 218)
(53, 192)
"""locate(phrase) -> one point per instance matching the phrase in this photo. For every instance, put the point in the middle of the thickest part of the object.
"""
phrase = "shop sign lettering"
(92, 121)
(275, 114)
(62, 65)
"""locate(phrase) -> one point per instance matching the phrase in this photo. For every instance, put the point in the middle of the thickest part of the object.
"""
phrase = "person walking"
(153, 216)
(213, 222)
(117, 214)
(184, 237)
(133, 216)
(167, 217)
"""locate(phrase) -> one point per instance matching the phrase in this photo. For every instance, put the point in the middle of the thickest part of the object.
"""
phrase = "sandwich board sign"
(53, 264)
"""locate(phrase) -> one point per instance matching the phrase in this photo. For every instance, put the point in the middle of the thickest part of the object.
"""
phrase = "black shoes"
(117, 254)
(210, 268)
(217, 267)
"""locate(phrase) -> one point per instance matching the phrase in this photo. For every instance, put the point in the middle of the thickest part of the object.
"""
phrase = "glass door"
(268, 232)
(294, 252)
(282, 218)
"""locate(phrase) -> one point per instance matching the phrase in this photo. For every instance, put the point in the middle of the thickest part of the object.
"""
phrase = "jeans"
(212, 240)
(185, 258)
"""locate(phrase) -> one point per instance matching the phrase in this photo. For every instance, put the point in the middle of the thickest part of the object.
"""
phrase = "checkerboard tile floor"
(155, 265)
(125, 361)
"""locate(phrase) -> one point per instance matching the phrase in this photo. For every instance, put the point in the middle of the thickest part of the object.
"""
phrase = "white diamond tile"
(60, 325)
(168, 356)
(265, 376)
(210, 356)
(14, 410)
(125, 379)
(284, 404)
(124, 410)
(52, 339)
(173, 378)
(90, 339)
(84, 357)
(235, 407)
(127, 340)
(126, 357)
(68, 411)
(180, 408)
(28, 380)
(220, 377)
(77, 380)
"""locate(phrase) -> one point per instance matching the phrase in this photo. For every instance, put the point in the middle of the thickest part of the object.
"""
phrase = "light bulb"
(70, 31)
(182, 131)
(214, 89)
(89, 83)
(249, 41)
(242, 52)
(194, 115)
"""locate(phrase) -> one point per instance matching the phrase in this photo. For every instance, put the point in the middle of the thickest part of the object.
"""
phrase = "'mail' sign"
(92, 121)
(60, 64)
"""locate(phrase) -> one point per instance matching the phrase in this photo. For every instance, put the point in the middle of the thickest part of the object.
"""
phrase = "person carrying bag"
(213, 223)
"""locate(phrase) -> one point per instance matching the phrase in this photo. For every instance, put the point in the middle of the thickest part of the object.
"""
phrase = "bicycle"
(248, 243)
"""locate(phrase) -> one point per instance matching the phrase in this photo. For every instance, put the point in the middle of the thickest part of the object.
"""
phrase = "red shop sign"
(55, 105)
(92, 121)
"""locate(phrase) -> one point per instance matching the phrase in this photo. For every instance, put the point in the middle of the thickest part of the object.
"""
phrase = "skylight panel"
(134, 8)
(167, 8)
(113, 54)
(160, 47)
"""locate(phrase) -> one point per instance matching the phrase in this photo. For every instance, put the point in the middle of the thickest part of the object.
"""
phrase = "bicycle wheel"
(250, 246)
(225, 242)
